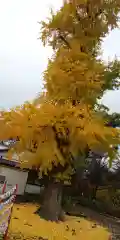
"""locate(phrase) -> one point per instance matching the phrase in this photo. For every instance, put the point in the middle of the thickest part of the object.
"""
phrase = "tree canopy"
(51, 133)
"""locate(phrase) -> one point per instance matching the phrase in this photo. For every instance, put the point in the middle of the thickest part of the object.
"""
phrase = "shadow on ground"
(111, 223)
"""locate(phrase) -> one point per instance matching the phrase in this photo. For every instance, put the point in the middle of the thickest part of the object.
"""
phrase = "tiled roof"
(3, 148)
(9, 162)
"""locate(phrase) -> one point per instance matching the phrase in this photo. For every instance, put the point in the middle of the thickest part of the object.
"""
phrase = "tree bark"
(51, 208)
(94, 192)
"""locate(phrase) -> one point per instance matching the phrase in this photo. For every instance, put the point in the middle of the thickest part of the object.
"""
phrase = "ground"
(28, 225)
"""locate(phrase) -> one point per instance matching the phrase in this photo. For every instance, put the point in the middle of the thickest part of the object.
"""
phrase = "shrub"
(103, 195)
(1, 236)
(101, 206)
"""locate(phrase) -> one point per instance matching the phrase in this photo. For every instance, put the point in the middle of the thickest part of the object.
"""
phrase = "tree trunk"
(94, 192)
(51, 208)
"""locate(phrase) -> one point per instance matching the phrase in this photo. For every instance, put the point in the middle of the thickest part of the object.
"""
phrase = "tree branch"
(63, 39)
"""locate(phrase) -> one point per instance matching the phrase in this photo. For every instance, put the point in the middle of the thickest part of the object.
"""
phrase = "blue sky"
(22, 56)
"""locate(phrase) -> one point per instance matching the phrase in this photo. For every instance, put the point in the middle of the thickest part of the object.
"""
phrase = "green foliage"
(112, 76)
(114, 119)
(1, 236)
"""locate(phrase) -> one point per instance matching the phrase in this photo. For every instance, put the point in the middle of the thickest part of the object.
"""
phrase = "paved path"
(111, 223)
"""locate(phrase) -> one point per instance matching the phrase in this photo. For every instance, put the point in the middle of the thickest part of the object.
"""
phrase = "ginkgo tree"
(63, 122)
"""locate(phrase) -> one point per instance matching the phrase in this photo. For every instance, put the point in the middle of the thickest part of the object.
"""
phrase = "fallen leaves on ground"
(25, 224)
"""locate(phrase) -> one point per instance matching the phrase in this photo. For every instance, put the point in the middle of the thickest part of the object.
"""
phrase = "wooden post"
(4, 187)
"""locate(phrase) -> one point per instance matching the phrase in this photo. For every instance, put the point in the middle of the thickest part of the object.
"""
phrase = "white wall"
(14, 176)
(32, 189)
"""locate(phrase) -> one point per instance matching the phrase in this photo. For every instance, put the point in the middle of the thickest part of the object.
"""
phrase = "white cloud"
(111, 48)
(22, 56)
